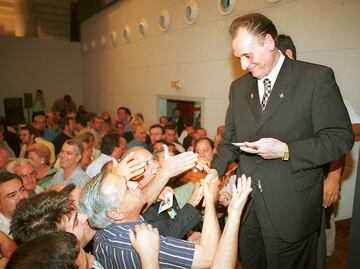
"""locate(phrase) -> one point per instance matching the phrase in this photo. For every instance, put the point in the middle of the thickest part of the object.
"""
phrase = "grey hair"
(95, 204)
(11, 166)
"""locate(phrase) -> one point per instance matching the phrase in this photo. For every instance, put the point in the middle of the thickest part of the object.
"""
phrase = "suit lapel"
(253, 100)
(279, 91)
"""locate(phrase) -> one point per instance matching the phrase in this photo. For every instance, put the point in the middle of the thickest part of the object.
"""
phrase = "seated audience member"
(287, 47)
(218, 137)
(81, 124)
(107, 122)
(39, 123)
(173, 222)
(89, 136)
(113, 205)
(70, 171)
(156, 133)
(11, 192)
(51, 211)
(146, 241)
(52, 251)
(39, 154)
(164, 121)
(112, 147)
(119, 128)
(5, 154)
(24, 168)
(139, 137)
(7, 247)
(129, 135)
(201, 133)
(124, 115)
(10, 137)
(189, 128)
(53, 122)
(86, 158)
(40, 140)
(64, 105)
(66, 134)
(170, 136)
(96, 126)
(27, 137)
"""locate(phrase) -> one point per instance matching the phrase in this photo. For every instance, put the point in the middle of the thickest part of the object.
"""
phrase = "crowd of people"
(166, 195)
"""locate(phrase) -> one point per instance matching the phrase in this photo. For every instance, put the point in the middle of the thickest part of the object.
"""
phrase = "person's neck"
(42, 171)
(69, 171)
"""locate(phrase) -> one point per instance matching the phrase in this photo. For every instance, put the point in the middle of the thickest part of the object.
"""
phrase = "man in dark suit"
(292, 118)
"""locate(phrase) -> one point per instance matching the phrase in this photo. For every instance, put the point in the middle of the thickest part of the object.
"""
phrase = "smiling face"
(28, 175)
(151, 166)
(256, 55)
(11, 192)
(69, 156)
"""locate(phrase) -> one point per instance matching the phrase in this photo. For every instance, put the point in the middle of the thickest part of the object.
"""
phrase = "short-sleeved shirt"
(113, 249)
(79, 178)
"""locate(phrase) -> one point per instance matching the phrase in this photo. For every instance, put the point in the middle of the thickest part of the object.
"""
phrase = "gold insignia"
(252, 96)
(282, 95)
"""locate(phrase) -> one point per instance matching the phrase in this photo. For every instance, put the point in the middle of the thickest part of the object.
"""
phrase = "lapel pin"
(252, 96)
(282, 95)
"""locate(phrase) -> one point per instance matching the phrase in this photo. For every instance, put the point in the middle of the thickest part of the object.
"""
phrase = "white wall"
(28, 64)
(134, 73)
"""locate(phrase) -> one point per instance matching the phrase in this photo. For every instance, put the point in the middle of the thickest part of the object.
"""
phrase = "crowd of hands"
(145, 239)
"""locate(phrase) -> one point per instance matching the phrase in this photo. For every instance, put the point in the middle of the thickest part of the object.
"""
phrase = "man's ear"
(78, 158)
(115, 214)
(269, 42)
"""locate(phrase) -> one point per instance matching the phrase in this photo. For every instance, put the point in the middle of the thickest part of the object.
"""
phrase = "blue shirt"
(113, 249)
(78, 177)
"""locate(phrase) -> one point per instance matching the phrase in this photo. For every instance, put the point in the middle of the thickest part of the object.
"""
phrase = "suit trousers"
(262, 248)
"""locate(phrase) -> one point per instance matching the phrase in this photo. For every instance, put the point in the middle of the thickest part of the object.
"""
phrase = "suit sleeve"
(333, 134)
(226, 151)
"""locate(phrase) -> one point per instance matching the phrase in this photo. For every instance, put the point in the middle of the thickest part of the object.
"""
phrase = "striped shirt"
(113, 249)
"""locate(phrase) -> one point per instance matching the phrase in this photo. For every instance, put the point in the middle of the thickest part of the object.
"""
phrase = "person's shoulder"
(309, 67)
(244, 79)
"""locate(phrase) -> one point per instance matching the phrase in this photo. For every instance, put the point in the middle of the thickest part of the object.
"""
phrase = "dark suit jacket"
(306, 111)
(186, 219)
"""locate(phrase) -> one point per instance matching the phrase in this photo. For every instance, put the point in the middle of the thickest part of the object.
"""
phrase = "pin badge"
(282, 95)
(252, 96)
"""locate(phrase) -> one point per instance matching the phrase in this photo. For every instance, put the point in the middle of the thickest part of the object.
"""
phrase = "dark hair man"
(11, 192)
(284, 152)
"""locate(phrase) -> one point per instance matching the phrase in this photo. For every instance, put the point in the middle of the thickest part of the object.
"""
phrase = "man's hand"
(145, 241)
(268, 148)
(197, 195)
(129, 167)
(175, 165)
(162, 196)
(331, 190)
(240, 195)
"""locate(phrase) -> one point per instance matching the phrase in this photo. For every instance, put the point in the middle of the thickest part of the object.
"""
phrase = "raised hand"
(145, 240)
(129, 167)
(268, 148)
(175, 165)
(240, 195)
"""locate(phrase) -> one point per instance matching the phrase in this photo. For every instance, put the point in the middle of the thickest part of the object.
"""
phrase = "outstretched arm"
(226, 252)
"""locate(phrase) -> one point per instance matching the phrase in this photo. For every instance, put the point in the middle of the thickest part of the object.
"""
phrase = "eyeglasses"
(28, 175)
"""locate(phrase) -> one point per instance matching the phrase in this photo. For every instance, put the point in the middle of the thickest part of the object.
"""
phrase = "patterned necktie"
(267, 90)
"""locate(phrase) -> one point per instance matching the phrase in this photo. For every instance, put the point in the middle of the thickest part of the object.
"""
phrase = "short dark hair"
(211, 142)
(127, 110)
(285, 42)
(67, 98)
(41, 214)
(81, 119)
(109, 142)
(157, 126)
(256, 24)
(5, 177)
(32, 130)
(52, 251)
